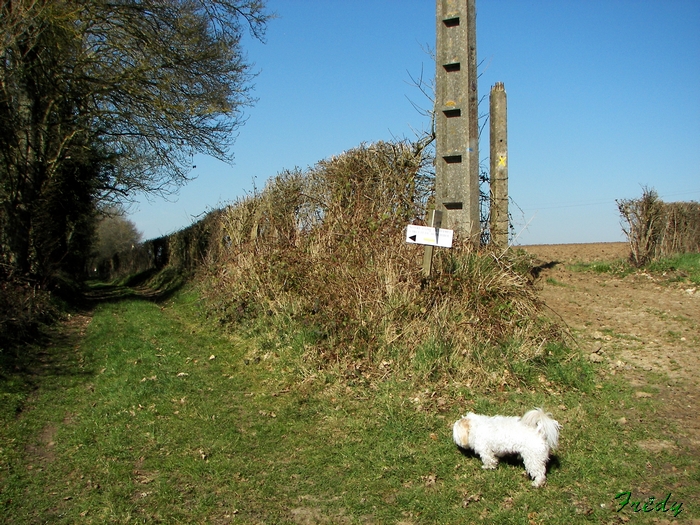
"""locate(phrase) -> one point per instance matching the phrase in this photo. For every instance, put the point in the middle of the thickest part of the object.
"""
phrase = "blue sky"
(603, 97)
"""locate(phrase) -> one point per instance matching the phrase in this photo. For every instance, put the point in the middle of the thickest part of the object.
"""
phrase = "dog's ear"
(460, 433)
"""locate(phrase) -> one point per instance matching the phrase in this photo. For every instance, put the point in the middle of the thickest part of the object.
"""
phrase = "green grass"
(681, 267)
(618, 267)
(677, 268)
(154, 416)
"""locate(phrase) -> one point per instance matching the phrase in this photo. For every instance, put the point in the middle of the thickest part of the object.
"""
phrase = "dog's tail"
(545, 425)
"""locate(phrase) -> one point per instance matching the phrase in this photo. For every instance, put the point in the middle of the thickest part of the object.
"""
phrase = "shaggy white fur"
(533, 436)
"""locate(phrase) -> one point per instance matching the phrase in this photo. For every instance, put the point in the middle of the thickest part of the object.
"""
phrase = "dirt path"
(643, 326)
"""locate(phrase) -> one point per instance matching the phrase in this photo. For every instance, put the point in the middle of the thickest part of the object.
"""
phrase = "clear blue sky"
(603, 97)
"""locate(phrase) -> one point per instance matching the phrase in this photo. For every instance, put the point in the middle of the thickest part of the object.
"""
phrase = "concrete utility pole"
(457, 119)
(499, 165)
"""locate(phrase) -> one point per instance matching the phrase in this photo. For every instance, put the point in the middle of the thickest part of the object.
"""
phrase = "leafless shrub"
(644, 218)
(682, 228)
(657, 229)
(326, 248)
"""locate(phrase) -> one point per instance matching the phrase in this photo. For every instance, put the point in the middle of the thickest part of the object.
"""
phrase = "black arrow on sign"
(413, 237)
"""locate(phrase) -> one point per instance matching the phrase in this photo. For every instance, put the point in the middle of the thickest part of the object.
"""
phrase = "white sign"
(428, 235)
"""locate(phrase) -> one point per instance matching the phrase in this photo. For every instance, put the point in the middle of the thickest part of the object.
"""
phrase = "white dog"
(532, 436)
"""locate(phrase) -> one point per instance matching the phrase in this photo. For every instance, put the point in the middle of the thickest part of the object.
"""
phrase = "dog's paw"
(537, 483)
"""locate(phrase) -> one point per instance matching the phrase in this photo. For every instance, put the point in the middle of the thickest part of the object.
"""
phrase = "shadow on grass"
(51, 350)
(151, 285)
(535, 271)
(513, 460)
(48, 360)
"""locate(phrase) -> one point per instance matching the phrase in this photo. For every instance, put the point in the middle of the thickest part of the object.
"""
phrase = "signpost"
(430, 236)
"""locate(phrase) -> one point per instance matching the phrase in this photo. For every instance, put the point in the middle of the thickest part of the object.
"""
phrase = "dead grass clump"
(478, 316)
(326, 250)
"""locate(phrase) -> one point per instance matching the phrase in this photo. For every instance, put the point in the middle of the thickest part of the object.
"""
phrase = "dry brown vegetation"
(325, 250)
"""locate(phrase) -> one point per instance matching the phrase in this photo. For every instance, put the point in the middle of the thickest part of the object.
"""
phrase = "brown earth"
(644, 326)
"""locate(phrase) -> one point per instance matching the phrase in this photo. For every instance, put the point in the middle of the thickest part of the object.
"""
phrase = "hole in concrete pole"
(453, 205)
(451, 22)
(452, 159)
(451, 113)
(452, 67)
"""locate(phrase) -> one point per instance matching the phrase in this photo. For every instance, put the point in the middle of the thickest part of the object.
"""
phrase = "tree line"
(103, 99)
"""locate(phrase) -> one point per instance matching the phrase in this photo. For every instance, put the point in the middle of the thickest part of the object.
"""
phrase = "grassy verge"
(678, 268)
(683, 267)
(618, 267)
(153, 416)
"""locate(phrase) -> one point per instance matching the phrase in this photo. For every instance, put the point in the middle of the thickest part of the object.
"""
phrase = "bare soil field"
(644, 326)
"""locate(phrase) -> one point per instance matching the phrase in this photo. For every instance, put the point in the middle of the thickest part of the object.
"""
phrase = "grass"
(153, 415)
(682, 267)
(618, 267)
(678, 268)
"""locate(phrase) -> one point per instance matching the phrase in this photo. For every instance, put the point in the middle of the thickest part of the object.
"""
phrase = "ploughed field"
(637, 323)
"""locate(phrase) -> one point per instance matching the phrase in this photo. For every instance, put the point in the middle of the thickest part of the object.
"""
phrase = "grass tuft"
(680, 267)
(619, 268)
(683, 267)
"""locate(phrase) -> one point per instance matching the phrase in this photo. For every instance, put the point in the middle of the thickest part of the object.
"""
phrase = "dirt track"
(637, 325)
